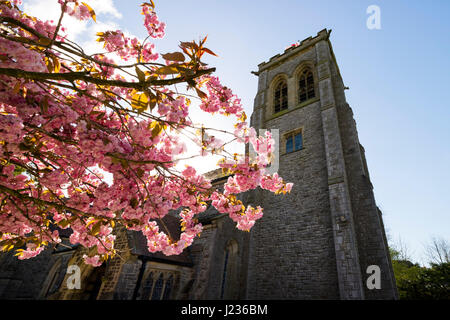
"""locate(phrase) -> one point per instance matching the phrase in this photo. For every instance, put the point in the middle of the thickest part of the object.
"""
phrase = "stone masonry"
(318, 241)
(314, 243)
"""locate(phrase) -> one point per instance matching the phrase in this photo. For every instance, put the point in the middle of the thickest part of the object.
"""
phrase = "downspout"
(139, 279)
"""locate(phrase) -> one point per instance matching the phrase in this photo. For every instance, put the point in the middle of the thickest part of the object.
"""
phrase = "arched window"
(147, 287)
(281, 96)
(306, 86)
(168, 288)
(159, 285)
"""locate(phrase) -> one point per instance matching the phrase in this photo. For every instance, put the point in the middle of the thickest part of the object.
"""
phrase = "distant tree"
(428, 284)
(438, 251)
(404, 252)
(415, 282)
(405, 271)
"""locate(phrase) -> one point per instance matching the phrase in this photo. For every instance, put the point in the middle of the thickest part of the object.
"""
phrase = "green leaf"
(56, 64)
(200, 93)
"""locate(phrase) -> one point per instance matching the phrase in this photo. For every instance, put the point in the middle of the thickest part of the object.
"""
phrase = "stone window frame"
(156, 274)
(281, 77)
(306, 65)
(292, 133)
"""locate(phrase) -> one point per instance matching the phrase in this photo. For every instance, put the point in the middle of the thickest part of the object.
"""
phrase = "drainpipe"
(139, 279)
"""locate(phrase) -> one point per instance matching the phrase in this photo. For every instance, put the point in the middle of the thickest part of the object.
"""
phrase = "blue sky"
(398, 78)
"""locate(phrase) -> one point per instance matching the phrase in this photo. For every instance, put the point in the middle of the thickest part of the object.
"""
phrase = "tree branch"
(83, 76)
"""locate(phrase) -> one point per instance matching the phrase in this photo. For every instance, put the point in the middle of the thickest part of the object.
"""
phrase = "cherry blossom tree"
(68, 118)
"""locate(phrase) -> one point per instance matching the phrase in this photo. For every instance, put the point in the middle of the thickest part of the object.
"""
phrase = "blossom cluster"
(220, 98)
(59, 138)
(127, 47)
(75, 9)
(155, 28)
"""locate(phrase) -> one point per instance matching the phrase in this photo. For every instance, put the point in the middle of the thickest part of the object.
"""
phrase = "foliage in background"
(416, 282)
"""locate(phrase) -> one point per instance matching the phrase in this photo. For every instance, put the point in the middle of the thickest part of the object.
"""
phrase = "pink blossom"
(56, 144)
(94, 261)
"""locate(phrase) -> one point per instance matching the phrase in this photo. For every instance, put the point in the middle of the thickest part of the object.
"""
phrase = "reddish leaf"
(209, 51)
(174, 56)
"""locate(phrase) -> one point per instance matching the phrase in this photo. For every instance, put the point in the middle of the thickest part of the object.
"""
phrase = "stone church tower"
(319, 241)
(315, 243)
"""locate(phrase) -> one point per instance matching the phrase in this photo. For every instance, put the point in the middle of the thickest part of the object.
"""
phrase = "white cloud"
(75, 29)
(51, 10)
(104, 7)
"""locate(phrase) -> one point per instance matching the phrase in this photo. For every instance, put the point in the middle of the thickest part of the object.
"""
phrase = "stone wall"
(208, 253)
(37, 278)
(318, 241)
(292, 252)
(314, 243)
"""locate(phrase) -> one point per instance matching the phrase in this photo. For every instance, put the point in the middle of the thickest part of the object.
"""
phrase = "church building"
(324, 240)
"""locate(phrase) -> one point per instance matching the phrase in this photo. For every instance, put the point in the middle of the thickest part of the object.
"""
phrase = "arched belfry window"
(281, 96)
(306, 86)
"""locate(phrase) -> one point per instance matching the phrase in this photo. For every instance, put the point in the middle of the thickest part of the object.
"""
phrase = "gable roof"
(138, 244)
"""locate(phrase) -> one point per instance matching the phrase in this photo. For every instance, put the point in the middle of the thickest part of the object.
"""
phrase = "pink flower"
(94, 261)
(154, 27)
(189, 172)
(64, 142)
